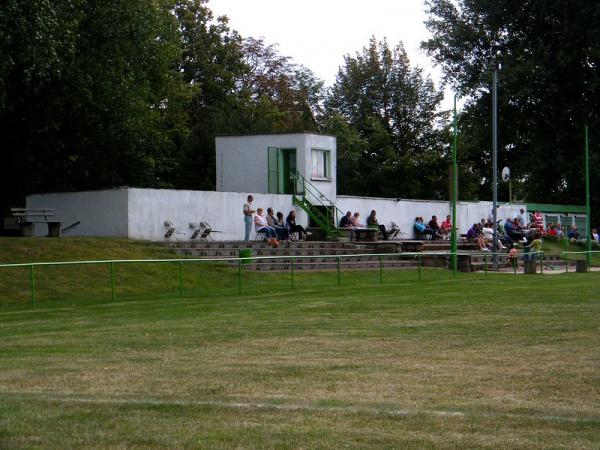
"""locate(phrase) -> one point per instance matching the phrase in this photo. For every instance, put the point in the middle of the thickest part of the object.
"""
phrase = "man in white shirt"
(521, 218)
(248, 213)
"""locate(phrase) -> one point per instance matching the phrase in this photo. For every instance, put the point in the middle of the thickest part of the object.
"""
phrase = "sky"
(318, 33)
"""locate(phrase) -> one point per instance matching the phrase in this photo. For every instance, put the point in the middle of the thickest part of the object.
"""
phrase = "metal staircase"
(319, 208)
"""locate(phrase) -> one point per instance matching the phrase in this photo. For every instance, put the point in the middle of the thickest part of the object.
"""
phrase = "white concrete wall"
(150, 208)
(101, 213)
(403, 212)
(242, 161)
(141, 213)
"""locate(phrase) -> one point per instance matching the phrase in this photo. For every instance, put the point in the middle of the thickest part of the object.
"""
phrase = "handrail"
(321, 196)
(580, 253)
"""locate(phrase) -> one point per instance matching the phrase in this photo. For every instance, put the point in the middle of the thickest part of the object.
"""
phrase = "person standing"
(248, 213)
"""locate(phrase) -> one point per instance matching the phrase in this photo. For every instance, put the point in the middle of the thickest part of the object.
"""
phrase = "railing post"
(454, 262)
(485, 263)
(339, 261)
(380, 269)
(566, 262)
(239, 276)
(180, 278)
(292, 270)
(419, 261)
(112, 281)
(32, 281)
(541, 263)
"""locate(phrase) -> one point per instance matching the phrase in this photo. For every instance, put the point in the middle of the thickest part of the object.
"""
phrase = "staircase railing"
(304, 191)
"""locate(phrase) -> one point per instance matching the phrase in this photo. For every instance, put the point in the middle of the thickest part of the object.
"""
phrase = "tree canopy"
(549, 88)
(97, 94)
(392, 139)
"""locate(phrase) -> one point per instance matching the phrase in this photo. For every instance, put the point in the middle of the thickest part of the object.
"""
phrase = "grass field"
(477, 362)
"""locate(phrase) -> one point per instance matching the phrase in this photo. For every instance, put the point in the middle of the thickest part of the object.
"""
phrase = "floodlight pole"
(495, 160)
(587, 197)
(454, 235)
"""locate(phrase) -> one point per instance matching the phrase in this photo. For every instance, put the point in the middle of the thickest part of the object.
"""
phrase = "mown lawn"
(478, 362)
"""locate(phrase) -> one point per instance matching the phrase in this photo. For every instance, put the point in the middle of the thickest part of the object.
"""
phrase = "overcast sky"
(318, 34)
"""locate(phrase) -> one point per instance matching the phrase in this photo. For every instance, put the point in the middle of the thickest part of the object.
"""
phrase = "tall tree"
(83, 102)
(393, 109)
(549, 87)
(239, 86)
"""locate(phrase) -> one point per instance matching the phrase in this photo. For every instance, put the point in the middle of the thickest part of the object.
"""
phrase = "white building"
(261, 165)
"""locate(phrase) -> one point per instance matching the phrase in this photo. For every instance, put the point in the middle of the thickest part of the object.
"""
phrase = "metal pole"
(495, 160)
(338, 271)
(180, 279)
(485, 263)
(381, 270)
(587, 198)
(32, 281)
(541, 263)
(454, 194)
(239, 276)
(292, 270)
(112, 281)
(419, 267)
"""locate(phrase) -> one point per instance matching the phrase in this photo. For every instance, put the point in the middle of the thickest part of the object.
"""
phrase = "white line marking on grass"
(32, 396)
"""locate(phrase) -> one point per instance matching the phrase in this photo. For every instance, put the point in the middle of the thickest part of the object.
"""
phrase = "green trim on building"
(550, 208)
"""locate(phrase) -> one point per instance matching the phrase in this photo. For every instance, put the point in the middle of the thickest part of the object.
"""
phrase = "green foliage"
(102, 94)
(89, 111)
(549, 88)
(392, 108)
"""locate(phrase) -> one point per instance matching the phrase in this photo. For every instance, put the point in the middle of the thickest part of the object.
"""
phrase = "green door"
(273, 157)
(281, 162)
(288, 166)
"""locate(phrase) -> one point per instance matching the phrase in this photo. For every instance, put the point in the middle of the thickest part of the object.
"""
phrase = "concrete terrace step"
(281, 251)
(330, 264)
(259, 245)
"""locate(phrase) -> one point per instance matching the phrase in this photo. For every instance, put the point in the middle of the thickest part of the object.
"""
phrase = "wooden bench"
(27, 218)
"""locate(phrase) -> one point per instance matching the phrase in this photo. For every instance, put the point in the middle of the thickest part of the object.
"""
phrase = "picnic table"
(364, 234)
(28, 217)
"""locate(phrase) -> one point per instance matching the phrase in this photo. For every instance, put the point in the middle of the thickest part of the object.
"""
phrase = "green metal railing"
(588, 257)
(303, 189)
(377, 261)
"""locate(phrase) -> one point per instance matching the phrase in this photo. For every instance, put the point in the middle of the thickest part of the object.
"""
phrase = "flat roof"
(552, 208)
(273, 134)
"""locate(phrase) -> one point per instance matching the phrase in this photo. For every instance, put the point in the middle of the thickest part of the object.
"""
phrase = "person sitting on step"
(345, 222)
(283, 233)
(474, 235)
(354, 220)
(293, 227)
(261, 226)
(372, 222)
(421, 228)
(446, 227)
(433, 225)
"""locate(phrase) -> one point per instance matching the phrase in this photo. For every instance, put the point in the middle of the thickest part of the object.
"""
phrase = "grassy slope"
(24, 250)
(488, 362)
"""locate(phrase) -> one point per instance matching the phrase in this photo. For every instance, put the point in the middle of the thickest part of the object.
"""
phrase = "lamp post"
(588, 239)
(497, 66)
(454, 247)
